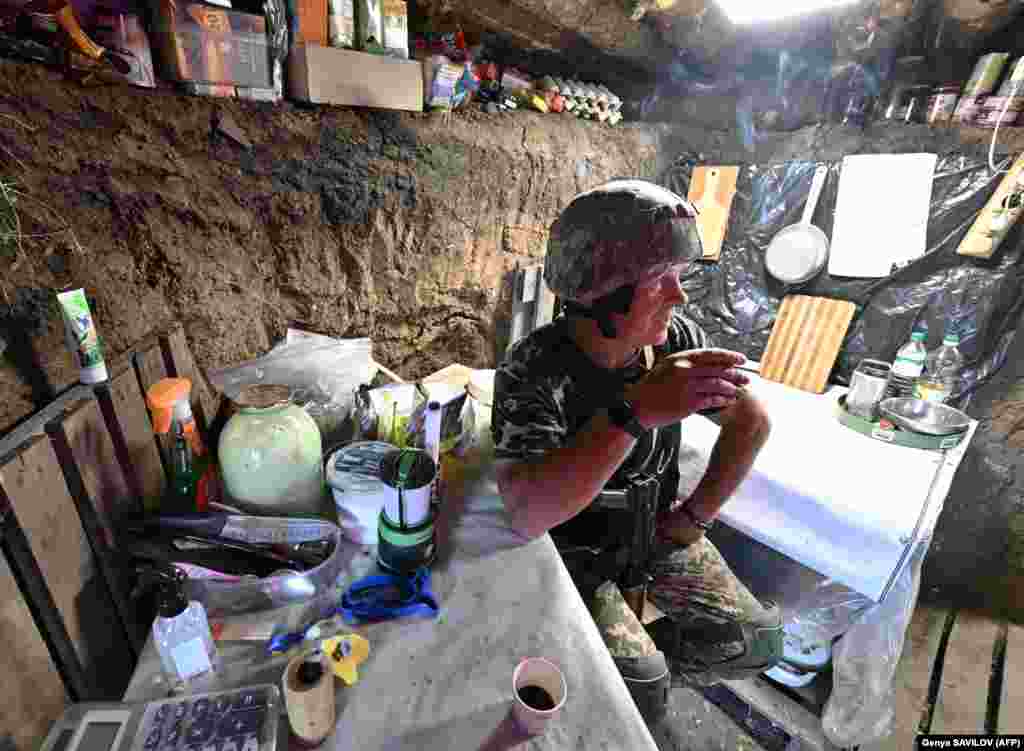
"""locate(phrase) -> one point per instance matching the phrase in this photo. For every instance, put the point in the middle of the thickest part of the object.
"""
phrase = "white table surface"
(843, 504)
(446, 683)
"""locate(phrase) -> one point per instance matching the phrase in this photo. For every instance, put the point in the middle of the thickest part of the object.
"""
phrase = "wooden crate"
(68, 476)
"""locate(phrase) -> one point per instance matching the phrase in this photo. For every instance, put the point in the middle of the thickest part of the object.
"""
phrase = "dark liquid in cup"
(537, 698)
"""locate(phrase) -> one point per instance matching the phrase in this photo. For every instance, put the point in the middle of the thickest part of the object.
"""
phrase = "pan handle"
(812, 198)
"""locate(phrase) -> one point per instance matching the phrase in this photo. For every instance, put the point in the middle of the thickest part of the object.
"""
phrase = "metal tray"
(924, 417)
(896, 434)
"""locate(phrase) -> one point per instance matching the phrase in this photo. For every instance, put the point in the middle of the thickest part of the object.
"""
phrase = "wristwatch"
(622, 416)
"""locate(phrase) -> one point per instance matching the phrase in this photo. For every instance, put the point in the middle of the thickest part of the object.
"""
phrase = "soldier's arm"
(745, 428)
(543, 492)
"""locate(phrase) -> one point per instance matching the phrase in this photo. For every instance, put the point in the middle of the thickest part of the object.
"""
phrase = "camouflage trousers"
(693, 586)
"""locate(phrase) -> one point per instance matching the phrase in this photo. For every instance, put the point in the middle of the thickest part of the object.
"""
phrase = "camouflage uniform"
(546, 390)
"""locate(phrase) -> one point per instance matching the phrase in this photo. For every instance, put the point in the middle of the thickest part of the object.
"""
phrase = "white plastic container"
(353, 473)
(407, 505)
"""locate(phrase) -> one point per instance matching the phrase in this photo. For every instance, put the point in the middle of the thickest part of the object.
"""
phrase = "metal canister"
(942, 104)
(867, 386)
(986, 74)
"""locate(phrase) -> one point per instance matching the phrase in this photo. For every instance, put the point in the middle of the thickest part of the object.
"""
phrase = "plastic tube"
(82, 339)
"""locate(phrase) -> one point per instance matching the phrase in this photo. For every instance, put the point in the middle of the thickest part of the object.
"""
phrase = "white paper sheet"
(881, 213)
(840, 503)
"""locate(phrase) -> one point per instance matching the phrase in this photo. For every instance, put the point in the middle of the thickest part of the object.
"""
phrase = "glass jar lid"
(263, 396)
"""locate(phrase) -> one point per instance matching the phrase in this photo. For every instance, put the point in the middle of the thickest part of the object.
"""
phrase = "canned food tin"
(942, 104)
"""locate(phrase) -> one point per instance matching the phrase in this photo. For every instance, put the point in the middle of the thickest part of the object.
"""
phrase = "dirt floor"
(352, 223)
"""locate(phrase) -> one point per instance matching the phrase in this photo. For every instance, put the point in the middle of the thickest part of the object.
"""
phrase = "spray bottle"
(192, 470)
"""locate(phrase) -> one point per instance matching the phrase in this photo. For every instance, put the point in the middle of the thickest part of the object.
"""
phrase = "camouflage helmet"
(618, 234)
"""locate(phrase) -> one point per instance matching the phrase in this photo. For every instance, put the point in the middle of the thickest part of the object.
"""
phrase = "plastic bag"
(736, 302)
(827, 612)
(323, 374)
(396, 414)
(864, 661)
(394, 406)
(341, 23)
(369, 25)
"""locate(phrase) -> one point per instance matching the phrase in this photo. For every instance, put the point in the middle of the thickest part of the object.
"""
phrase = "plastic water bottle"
(908, 366)
(941, 374)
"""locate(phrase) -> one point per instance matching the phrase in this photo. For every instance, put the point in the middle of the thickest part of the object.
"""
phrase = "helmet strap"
(618, 301)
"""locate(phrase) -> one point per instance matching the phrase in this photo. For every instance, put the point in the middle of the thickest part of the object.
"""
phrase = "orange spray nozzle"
(162, 397)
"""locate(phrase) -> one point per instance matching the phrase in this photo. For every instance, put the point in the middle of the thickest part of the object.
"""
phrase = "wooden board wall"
(145, 469)
(29, 704)
(34, 483)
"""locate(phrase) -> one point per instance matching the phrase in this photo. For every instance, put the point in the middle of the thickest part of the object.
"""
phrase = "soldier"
(599, 393)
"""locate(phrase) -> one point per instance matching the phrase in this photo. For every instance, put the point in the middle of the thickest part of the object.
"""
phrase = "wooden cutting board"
(978, 242)
(805, 341)
(711, 192)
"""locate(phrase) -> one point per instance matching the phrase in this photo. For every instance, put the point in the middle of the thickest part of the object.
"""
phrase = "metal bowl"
(924, 417)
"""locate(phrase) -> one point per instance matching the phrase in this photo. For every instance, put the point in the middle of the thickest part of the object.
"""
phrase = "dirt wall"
(352, 223)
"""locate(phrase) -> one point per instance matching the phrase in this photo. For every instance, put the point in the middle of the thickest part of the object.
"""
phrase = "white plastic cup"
(536, 671)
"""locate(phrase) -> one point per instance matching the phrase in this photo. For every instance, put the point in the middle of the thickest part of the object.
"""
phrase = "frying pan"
(798, 252)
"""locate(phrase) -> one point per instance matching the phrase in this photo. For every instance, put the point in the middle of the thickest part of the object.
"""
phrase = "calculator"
(236, 720)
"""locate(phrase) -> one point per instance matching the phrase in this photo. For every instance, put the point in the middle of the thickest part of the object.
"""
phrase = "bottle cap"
(171, 600)
(161, 398)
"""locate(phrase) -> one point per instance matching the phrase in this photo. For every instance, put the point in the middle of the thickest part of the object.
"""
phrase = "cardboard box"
(210, 49)
(308, 21)
(325, 75)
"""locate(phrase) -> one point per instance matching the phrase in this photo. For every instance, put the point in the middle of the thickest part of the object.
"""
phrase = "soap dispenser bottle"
(182, 633)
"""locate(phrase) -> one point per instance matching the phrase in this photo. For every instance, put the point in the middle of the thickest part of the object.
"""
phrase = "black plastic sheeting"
(736, 301)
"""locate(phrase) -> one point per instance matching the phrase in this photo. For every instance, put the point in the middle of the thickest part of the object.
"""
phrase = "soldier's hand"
(685, 383)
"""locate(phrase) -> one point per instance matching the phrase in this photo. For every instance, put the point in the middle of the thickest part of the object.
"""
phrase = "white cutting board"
(881, 213)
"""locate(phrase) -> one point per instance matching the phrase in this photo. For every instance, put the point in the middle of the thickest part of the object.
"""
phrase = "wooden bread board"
(977, 242)
(805, 341)
(711, 192)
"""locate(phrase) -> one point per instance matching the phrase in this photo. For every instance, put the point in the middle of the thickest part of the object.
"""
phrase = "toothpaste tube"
(82, 339)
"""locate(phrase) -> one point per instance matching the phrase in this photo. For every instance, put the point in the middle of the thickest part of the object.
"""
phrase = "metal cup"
(867, 387)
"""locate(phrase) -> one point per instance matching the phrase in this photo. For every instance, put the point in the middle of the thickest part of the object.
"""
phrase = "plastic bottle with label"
(941, 374)
(908, 366)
